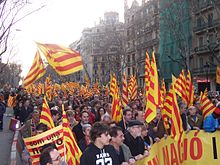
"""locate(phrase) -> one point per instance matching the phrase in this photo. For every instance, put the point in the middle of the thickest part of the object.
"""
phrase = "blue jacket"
(210, 124)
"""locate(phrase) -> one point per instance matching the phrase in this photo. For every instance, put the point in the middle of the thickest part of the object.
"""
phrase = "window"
(201, 62)
(211, 38)
(129, 60)
(129, 71)
(133, 57)
(210, 19)
(200, 41)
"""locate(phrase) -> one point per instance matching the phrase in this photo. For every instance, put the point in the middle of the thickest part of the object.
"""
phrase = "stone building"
(101, 48)
(142, 34)
(205, 42)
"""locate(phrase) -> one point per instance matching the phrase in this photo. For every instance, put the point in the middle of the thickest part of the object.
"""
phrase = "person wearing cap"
(133, 139)
(194, 119)
(210, 123)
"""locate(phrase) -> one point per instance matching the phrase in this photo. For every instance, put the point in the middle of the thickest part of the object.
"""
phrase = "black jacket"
(95, 156)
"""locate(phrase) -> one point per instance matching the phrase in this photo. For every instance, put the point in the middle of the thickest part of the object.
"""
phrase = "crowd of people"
(102, 140)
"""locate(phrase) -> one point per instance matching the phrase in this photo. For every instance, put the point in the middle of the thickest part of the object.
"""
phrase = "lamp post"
(206, 66)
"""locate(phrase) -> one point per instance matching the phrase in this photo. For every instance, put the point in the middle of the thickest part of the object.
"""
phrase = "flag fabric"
(132, 88)
(189, 89)
(11, 101)
(180, 87)
(63, 60)
(37, 71)
(206, 105)
(176, 121)
(124, 91)
(73, 152)
(153, 96)
(218, 75)
(46, 117)
(113, 84)
(147, 75)
(116, 106)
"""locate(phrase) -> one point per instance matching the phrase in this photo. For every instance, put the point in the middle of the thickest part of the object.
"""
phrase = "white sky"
(60, 22)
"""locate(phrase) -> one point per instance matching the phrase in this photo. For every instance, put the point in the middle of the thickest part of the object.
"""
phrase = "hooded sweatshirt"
(96, 156)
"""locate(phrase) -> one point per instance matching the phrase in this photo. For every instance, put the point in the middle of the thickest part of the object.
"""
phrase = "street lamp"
(206, 66)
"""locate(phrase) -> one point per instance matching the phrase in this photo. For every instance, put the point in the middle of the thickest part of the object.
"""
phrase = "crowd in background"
(95, 132)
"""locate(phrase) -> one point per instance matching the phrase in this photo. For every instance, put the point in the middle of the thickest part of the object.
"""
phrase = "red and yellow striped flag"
(63, 60)
(116, 106)
(11, 101)
(124, 91)
(147, 75)
(37, 71)
(113, 84)
(189, 89)
(218, 75)
(153, 96)
(176, 121)
(206, 105)
(180, 87)
(132, 88)
(73, 152)
(45, 116)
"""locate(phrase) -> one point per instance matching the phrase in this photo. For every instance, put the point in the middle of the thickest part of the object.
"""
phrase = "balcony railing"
(205, 48)
(203, 71)
(208, 25)
(205, 5)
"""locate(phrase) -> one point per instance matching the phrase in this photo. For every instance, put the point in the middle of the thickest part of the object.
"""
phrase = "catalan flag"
(113, 84)
(63, 60)
(132, 88)
(218, 75)
(189, 89)
(180, 87)
(206, 105)
(176, 121)
(45, 116)
(124, 91)
(11, 101)
(147, 75)
(153, 96)
(116, 106)
(37, 71)
(73, 152)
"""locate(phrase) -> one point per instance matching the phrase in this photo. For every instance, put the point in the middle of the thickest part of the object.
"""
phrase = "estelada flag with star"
(218, 75)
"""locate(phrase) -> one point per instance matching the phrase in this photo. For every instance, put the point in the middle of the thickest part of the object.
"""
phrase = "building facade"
(101, 48)
(205, 43)
(142, 35)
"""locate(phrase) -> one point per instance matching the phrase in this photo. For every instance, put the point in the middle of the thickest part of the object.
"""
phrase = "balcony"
(203, 71)
(206, 26)
(202, 6)
(205, 48)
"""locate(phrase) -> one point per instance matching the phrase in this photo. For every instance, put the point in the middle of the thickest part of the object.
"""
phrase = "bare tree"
(11, 12)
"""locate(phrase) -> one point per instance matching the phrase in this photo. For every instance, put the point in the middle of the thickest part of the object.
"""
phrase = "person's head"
(50, 156)
(86, 128)
(158, 116)
(112, 124)
(117, 136)
(139, 115)
(144, 130)
(35, 116)
(106, 119)
(41, 128)
(101, 111)
(134, 127)
(99, 134)
(192, 110)
(70, 114)
(84, 115)
(127, 113)
(182, 107)
(27, 103)
(55, 114)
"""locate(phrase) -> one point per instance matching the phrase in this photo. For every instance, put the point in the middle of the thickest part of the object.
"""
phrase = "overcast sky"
(60, 22)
